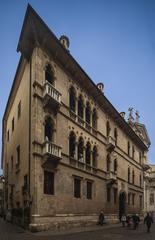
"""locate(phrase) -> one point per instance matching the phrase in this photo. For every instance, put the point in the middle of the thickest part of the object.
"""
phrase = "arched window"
(80, 149)
(108, 128)
(72, 145)
(94, 119)
(49, 76)
(72, 99)
(128, 175)
(94, 157)
(88, 153)
(88, 112)
(115, 135)
(80, 106)
(108, 163)
(128, 148)
(49, 129)
(133, 177)
(115, 165)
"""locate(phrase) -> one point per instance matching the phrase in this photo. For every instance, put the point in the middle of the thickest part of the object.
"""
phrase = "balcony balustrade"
(52, 97)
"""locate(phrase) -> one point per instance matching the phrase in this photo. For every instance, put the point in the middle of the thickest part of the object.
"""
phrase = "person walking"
(123, 220)
(136, 220)
(101, 219)
(148, 220)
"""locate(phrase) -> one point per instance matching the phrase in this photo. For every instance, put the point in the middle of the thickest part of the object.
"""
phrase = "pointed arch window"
(88, 153)
(94, 119)
(128, 175)
(49, 129)
(108, 163)
(80, 106)
(72, 145)
(88, 113)
(133, 152)
(108, 128)
(80, 149)
(49, 75)
(72, 99)
(94, 157)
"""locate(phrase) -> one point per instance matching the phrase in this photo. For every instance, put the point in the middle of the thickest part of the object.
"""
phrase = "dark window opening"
(108, 194)
(89, 190)
(88, 153)
(115, 135)
(115, 195)
(72, 145)
(129, 148)
(80, 149)
(133, 199)
(128, 175)
(88, 113)
(108, 129)
(115, 165)
(108, 163)
(49, 130)
(8, 135)
(140, 157)
(94, 157)
(49, 76)
(25, 182)
(140, 180)
(18, 156)
(80, 106)
(129, 198)
(77, 188)
(13, 124)
(72, 99)
(140, 201)
(48, 183)
(94, 119)
(19, 109)
(133, 177)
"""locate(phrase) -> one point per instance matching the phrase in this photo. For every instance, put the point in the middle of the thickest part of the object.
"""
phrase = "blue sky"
(112, 40)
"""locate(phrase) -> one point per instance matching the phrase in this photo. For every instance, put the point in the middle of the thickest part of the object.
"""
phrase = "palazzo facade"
(67, 152)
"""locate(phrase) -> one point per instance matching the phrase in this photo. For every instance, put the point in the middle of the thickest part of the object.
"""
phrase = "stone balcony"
(51, 96)
(51, 154)
(111, 177)
(111, 143)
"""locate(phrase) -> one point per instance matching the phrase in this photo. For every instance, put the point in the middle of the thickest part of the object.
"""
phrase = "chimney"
(100, 87)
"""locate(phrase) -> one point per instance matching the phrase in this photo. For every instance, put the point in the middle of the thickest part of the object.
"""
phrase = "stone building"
(1, 195)
(149, 190)
(67, 152)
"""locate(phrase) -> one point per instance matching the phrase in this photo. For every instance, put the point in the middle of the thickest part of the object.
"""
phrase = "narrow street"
(12, 232)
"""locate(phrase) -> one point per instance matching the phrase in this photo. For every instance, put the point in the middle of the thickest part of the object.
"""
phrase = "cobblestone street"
(12, 232)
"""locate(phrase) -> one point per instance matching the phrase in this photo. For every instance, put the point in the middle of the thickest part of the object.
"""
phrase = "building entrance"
(122, 204)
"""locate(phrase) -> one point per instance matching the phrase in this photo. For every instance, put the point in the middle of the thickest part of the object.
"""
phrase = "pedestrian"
(101, 219)
(123, 220)
(128, 221)
(148, 220)
(136, 221)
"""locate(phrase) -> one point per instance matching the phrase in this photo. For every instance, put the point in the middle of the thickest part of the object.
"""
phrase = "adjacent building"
(149, 190)
(67, 152)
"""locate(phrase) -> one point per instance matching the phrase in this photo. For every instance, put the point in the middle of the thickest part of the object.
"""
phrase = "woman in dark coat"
(148, 220)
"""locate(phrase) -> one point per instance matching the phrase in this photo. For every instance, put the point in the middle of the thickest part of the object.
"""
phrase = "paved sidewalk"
(77, 230)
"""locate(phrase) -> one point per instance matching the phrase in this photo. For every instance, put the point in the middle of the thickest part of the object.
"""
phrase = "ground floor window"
(115, 195)
(89, 190)
(48, 183)
(77, 187)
